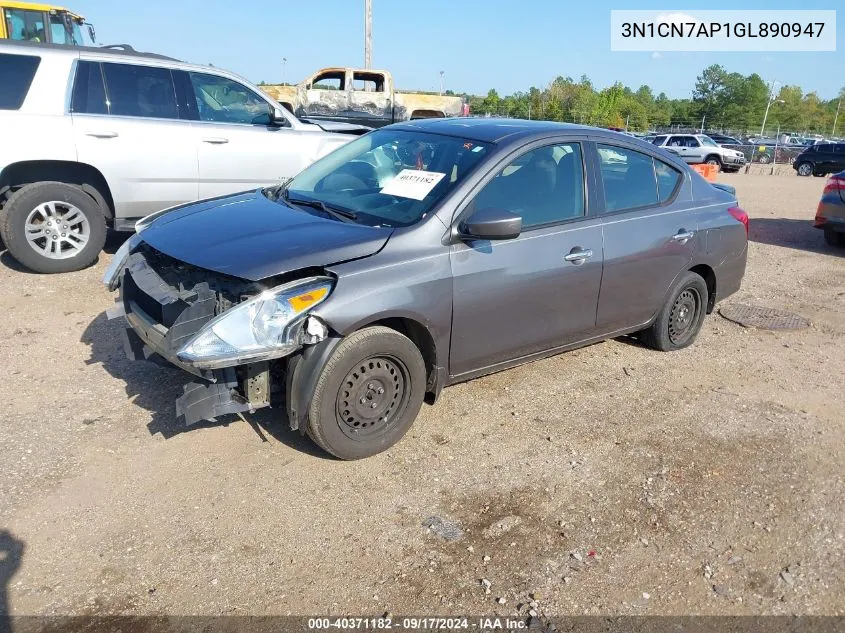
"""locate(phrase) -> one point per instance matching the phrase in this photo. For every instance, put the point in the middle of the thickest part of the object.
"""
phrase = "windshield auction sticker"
(412, 183)
(728, 30)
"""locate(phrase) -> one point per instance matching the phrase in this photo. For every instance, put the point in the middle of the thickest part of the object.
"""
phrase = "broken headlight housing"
(264, 327)
(115, 267)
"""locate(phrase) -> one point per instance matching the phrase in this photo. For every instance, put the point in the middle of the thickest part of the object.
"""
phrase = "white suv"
(700, 148)
(97, 137)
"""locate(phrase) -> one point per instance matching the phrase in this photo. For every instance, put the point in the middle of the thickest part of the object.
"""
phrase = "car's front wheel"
(51, 227)
(679, 321)
(714, 161)
(804, 169)
(368, 395)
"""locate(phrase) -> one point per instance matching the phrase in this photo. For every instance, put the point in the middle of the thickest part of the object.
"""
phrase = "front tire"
(368, 395)
(834, 238)
(679, 321)
(715, 161)
(804, 169)
(51, 227)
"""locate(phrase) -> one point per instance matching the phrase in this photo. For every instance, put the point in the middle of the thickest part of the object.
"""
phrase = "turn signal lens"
(307, 299)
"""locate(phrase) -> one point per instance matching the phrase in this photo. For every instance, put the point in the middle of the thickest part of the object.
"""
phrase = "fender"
(303, 372)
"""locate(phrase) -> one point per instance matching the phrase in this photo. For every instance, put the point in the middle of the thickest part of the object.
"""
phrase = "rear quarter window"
(16, 74)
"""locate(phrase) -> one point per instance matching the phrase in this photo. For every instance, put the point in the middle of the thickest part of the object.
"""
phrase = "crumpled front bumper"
(160, 318)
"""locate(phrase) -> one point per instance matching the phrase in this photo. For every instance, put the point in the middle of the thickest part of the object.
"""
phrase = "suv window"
(824, 149)
(840, 148)
(16, 74)
(141, 91)
(544, 186)
(225, 101)
(627, 177)
(659, 140)
(25, 25)
(89, 93)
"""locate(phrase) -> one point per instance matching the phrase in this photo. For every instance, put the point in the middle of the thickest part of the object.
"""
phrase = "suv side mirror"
(278, 118)
(492, 224)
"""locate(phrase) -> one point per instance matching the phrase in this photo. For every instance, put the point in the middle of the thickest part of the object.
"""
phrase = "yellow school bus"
(37, 22)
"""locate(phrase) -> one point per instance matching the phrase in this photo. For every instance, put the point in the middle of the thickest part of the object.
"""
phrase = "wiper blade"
(335, 212)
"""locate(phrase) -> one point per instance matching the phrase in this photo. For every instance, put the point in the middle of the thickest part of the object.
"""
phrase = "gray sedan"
(418, 256)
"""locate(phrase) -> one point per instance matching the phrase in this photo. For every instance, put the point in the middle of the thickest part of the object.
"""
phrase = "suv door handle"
(683, 236)
(103, 134)
(215, 140)
(578, 255)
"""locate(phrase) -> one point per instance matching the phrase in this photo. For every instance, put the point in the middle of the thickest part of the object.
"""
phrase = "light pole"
(836, 118)
(441, 81)
(769, 105)
(284, 63)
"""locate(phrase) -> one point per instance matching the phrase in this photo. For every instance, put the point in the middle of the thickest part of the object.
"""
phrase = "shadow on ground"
(11, 554)
(796, 234)
(156, 387)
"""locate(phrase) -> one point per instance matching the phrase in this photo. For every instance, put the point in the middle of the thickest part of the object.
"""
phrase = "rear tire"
(51, 227)
(368, 395)
(679, 321)
(834, 238)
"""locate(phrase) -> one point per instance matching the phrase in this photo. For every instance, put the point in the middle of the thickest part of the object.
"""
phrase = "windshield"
(389, 177)
(706, 140)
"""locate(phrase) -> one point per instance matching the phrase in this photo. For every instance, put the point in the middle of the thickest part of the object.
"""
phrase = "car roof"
(496, 130)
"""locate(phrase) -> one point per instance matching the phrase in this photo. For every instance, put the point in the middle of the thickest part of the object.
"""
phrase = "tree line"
(722, 100)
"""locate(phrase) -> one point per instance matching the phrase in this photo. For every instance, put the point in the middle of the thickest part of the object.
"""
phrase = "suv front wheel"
(804, 169)
(51, 227)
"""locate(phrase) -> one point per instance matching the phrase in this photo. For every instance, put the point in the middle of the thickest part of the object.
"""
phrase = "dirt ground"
(612, 479)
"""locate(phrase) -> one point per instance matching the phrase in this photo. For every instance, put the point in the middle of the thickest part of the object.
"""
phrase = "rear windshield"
(16, 73)
(389, 177)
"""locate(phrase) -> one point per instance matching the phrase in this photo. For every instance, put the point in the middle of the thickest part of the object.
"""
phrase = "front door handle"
(103, 134)
(578, 255)
(683, 236)
(215, 140)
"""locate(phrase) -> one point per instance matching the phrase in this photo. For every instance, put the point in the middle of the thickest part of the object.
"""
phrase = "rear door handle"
(215, 140)
(103, 134)
(578, 255)
(683, 236)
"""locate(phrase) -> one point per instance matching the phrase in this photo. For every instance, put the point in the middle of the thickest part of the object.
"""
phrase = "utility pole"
(441, 82)
(836, 118)
(284, 63)
(702, 123)
(368, 33)
(769, 105)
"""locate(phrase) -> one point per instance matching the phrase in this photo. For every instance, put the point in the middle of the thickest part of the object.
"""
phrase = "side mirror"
(492, 224)
(277, 117)
(92, 33)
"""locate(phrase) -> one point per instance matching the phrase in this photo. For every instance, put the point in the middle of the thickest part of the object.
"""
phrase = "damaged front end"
(235, 336)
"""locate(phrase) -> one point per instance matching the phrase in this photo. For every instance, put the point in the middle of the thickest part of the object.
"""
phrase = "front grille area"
(176, 297)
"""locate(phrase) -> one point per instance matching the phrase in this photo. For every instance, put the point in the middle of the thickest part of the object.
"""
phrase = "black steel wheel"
(368, 395)
(372, 397)
(679, 321)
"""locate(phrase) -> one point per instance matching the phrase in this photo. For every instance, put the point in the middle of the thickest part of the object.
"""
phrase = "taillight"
(740, 216)
(834, 184)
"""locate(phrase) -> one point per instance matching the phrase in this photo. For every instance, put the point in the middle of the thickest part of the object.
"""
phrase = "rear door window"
(89, 93)
(825, 149)
(659, 140)
(140, 91)
(16, 74)
(668, 179)
(628, 178)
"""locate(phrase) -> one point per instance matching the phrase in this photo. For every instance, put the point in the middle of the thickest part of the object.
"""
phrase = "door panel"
(132, 134)
(520, 296)
(537, 291)
(369, 99)
(237, 148)
(647, 246)
(327, 96)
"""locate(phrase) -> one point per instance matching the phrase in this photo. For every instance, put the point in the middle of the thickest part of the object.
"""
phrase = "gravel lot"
(612, 479)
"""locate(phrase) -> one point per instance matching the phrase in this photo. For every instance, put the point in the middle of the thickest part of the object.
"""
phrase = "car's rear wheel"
(765, 159)
(834, 238)
(804, 169)
(51, 227)
(368, 395)
(679, 321)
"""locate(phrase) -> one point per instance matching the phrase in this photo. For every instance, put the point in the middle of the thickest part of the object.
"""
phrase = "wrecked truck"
(363, 97)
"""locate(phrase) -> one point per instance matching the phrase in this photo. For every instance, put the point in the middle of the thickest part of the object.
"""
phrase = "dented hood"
(248, 236)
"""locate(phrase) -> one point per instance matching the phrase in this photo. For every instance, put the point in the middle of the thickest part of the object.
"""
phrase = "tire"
(804, 169)
(340, 420)
(679, 321)
(834, 238)
(42, 204)
(765, 159)
(732, 170)
(714, 160)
